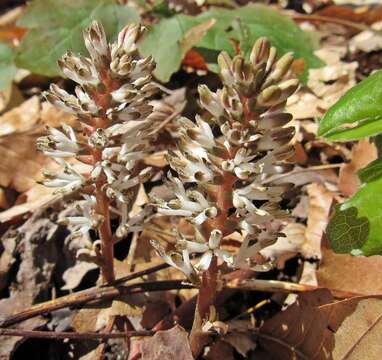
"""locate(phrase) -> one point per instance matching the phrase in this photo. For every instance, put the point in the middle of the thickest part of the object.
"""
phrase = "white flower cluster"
(111, 103)
(227, 157)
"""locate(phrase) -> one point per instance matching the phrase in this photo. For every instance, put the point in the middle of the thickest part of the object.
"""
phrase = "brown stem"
(106, 236)
(99, 353)
(72, 335)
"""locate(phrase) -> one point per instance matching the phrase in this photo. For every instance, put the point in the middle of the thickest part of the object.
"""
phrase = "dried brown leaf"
(358, 274)
(171, 344)
(320, 200)
(299, 332)
(357, 324)
(363, 153)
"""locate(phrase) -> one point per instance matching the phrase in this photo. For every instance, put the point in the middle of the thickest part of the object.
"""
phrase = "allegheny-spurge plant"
(222, 171)
(113, 132)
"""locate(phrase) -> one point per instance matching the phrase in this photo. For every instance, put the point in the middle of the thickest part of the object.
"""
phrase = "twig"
(92, 295)
(302, 170)
(347, 23)
(139, 274)
(284, 286)
(72, 335)
(132, 250)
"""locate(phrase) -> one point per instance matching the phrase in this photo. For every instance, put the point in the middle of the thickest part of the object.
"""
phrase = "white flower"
(88, 219)
(59, 144)
(241, 164)
(68, 180)
(96, 43)
(79, 69)
(191, 169)
(129, 224)
(189, 203)
(210, 249)
(241, 202)
(88, 105)
(62, 99)
(178, 261)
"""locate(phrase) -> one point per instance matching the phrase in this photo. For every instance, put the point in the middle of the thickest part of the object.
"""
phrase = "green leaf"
(256, 21)
(7, 66)
(244, 24)
(55, 26)
(371, 172)
(164, 43)
(346, 232)
(368, 202)
(357, 114)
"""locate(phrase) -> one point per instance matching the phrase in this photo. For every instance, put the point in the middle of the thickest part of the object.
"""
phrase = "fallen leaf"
(316, 328)
(74, 275)
(357, 324)
(35, 198)
(241, 341)
(362, 14)
(300, 332)
(38, 246)
(358, 274)
(21, 118)
(320, 200)
(220, 350)
(171, 344)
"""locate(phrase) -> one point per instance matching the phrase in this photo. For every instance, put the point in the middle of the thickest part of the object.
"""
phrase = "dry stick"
(92, 295)
(139, 274)
(284, 286)
(347, 23)
(72, 335)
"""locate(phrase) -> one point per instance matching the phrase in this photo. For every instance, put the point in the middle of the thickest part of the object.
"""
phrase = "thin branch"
(72, 335)
(139, 274)
(302, 170)
(93, 295)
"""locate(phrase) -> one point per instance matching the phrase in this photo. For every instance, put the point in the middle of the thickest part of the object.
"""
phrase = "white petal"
(195, 247)
(215, 238)
(205, 261)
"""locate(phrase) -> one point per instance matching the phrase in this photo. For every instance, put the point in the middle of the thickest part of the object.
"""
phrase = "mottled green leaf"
(368, 202)
(244, 24)
(7, 66)
(346, 232)
(371, 172)
(356, 114)
(55, 26)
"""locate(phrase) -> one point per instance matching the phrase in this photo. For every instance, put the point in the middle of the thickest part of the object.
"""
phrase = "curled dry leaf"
(363, 153)
(325, 85)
